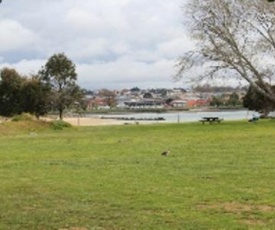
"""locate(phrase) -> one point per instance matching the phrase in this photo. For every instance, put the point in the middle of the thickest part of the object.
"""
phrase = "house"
(179, 103)
(97, 103)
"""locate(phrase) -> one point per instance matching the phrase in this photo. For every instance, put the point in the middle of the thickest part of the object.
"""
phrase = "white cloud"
(122, 71)
(14, 36)
(25, 67)
(113, 43)
(174, 48)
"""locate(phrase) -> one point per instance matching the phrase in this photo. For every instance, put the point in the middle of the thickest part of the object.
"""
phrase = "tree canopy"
(233, 39)
(35, 96)
(53, 88)
(60, 75)
(253, 100)
(10, 92)
(20, 94)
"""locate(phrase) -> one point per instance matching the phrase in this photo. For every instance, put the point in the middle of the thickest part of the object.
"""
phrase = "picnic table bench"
(211, 120)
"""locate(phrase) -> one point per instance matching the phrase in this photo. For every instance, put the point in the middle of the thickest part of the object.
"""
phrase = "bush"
(59, 125)
(22, 117)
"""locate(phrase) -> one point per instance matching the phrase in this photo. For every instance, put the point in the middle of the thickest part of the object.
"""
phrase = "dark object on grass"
(254, 119)
(165, 153)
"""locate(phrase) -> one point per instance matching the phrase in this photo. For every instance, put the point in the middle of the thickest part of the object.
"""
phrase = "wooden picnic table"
(211, 120)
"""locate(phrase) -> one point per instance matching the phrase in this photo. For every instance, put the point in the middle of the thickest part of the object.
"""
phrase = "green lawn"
(219, 176)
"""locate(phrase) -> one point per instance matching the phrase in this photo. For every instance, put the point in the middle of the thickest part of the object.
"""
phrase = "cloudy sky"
(115, 44)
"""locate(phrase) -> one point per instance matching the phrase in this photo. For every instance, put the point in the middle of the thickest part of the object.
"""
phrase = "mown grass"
(218, 176)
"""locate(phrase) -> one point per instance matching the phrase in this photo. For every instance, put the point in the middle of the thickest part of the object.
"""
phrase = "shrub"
(22, 117)
(59, 125)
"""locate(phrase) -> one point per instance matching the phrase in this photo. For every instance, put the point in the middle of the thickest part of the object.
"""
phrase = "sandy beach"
(92, 121)
(88, 121)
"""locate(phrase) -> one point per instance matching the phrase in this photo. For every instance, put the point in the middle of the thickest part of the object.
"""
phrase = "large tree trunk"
(60, 114)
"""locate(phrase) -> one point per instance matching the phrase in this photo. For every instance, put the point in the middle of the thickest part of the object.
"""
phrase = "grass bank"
(218, 176)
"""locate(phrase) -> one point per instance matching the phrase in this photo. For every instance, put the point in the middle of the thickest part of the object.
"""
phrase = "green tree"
(35, 96)
(232, 40)
(60, 75)
(234, 99)
(217, 101)
(148, 95)
(253, 100)
(10, 93)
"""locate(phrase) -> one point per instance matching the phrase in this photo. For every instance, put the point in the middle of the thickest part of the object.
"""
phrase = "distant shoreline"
(133, 111)
(102, 118)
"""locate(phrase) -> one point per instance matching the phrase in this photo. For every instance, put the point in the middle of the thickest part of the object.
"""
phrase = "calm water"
(187, 116)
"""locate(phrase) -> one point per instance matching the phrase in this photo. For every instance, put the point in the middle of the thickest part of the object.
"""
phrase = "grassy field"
(218, 176)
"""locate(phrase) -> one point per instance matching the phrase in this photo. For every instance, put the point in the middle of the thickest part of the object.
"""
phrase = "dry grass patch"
(237, 208)
(248, 213)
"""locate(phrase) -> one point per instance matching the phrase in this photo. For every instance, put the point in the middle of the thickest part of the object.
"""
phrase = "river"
(186, 116)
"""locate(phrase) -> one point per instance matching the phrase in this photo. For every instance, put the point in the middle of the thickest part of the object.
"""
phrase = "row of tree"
(52, 88)
(231, 100)
(252, 100)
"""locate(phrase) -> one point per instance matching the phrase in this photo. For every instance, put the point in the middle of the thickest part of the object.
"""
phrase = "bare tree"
(234, 38)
